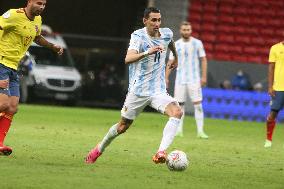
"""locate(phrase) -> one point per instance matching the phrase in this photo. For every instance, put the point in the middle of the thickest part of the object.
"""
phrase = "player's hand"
(58, 49)
(271, 92)
(155, 49)
(203, 82)
(4, 84)
(173, 64)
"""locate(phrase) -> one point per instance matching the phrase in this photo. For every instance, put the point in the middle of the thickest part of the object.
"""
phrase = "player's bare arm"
(204, 71)
(173, 64)
(43, 42)
(271, 68)
(133, 56)
(168, 73)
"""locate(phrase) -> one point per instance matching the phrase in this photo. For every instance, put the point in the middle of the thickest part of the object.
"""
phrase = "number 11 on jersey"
(157, 57)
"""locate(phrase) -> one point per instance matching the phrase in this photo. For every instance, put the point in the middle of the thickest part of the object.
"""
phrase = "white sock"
(169, 133)
(112, 133)
(180, 126)
(199, 117)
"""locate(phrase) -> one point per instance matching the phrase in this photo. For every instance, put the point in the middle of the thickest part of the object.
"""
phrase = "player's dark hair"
(149, 10)
(185, 23)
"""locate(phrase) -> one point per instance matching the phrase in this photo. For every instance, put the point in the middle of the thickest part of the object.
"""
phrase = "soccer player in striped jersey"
(20, 27)
(146, 59)
(275, 88)
(188, 80)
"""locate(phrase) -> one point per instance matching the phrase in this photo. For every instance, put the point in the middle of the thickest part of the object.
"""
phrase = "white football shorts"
(193, 91)
(134, 105)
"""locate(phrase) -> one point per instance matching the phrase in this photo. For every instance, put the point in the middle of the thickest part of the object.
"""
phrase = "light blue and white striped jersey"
(147, 76)
(189, 52)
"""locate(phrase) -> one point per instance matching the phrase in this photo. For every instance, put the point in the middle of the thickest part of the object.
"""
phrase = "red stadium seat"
(226, 9)
(234, 49)
(222, 47)
(242, 20)
(222, 56)
(226, 19)
(195, 17)
(263, 3)
(209, 18)
(224, 29)
(196, 6)
(252, 30)
(274, 22)
(271, 41)
(280, 14)
(195, 34)
(225, 38)
(268, 12)
(210, 7)
(242, 39)
(208, 37)
(279, 33)
(239, 58)
(250, 50)
(244, 3)
(257, 41)
(255, 12)
(239, 30)
(208, 47)
(263, 51)
(195, 26)
(259, 22)
(208, 27)
(240, 11)
(267, 32)
(209, 55)
(264, 59)
(254, 59)
(228, 1)
(276, 4)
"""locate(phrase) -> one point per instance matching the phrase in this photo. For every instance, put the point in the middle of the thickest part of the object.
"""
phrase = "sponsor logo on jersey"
(6, 15)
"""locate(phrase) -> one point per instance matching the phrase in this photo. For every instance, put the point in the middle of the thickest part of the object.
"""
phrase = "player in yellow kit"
(20, 27)
(275, 88)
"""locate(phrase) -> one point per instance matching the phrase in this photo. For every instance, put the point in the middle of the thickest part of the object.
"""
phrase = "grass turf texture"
(50, 144)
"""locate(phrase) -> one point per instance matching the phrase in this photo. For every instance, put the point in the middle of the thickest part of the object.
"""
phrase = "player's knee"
(177, 113)
(13, 109)
(4, 106)
(122, 127)
(272, 116)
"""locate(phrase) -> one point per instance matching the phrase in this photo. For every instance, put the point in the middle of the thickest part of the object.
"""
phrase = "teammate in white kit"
(147, 86)
(188, 81)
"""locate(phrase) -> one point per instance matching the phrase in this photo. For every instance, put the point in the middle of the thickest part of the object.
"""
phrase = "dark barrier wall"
(100, 17)
(218, 71)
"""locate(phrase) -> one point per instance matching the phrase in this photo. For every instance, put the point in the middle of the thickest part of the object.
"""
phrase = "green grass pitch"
(50, 144)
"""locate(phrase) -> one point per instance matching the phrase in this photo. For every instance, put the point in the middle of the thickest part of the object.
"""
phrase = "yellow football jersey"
(276, 56)
(17, 35)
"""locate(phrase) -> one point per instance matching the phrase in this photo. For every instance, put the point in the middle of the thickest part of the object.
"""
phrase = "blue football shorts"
(277, 102)
(13, 77)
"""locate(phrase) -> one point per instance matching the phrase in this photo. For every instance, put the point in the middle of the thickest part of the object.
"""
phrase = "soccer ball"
(177, 161)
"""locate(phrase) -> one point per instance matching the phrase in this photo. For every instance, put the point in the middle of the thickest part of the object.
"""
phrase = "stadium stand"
(240, 105)
(252, 27)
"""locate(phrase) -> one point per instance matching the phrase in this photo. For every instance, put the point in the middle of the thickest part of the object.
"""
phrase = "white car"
(48, 75)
